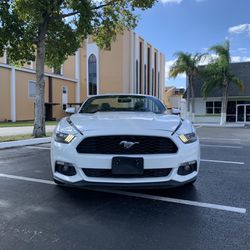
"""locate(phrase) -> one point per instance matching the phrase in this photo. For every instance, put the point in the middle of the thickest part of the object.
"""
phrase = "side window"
(217, 107)
(32, 89)
(64, 97)
(92, 74)
(213, 107)
(209, 107)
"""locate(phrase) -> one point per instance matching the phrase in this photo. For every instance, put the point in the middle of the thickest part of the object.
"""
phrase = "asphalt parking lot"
(213, 214)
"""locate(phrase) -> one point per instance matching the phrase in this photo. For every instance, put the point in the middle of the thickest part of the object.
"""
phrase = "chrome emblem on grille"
(128, 144)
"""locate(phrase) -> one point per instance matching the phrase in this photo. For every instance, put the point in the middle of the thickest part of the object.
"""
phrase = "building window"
(213, 107)
(92, 73)
(32, 89)
(137, 87)
(145, 79)
(158, 88)
(148, 75)
(140, 69)
(155, 79)
(153, 82)
(57, 70)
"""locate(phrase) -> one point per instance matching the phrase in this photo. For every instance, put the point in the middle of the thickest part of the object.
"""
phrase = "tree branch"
(95, 8)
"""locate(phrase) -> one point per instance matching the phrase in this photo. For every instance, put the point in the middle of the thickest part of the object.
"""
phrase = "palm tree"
(188, 64)
(218, 75)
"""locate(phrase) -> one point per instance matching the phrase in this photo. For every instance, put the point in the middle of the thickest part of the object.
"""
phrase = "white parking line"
(225, 162)
(37, 147)
(144, 196)
(220, 146)
(221, 139)
(179, 201)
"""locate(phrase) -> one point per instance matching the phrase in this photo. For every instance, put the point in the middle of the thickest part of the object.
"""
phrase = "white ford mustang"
(124, 141)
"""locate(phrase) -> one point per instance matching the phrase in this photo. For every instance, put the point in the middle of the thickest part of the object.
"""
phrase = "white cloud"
(240, 59)
(208, 59)
(171, 1)
(242, 50)
(239, 29)
(168, 64)
(236, 59)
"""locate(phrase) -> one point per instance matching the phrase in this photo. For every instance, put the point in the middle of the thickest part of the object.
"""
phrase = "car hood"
(127, 120)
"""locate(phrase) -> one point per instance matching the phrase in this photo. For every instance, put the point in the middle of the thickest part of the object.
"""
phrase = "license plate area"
(127, 166)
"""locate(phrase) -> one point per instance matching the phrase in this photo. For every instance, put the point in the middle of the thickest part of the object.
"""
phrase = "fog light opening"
(65, 168)
(187, 168)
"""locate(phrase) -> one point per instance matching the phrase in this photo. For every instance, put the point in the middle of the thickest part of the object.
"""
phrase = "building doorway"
(243, 113)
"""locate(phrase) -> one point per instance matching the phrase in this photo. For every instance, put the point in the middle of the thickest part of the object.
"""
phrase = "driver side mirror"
(176, 111)
(70, 110)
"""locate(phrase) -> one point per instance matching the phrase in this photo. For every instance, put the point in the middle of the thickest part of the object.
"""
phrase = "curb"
(219, 126)
(28, 142)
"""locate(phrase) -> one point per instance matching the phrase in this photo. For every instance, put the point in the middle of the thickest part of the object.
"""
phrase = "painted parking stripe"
(144, 196)
(37, 147)
(225, 162)
(179, 201)
(222, 139)
(220, 146)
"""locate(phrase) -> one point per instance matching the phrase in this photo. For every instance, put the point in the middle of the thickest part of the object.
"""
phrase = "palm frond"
(223, 52)
(239, 83)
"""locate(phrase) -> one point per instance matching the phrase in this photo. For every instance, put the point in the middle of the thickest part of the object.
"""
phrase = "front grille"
(112, 145)
(107, 173)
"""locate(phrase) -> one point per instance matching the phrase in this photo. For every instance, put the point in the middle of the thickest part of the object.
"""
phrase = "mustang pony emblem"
(128, 144)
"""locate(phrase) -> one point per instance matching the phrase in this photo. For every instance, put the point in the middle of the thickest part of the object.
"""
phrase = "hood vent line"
(74, 126)
(179, 125)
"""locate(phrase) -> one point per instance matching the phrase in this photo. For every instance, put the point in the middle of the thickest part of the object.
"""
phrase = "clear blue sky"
(195, 25)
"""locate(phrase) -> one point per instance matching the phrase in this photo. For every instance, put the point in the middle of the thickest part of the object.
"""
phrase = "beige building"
(173, 97)
(132, 66)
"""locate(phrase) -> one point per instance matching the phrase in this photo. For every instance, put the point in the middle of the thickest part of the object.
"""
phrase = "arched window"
(92, 68)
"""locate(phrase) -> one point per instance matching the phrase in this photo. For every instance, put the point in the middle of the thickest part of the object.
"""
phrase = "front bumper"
(151, 185)
(67, 153)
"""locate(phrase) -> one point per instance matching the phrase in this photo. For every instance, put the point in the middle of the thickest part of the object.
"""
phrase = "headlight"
(188, 138)
(63, 138)
(64, 132)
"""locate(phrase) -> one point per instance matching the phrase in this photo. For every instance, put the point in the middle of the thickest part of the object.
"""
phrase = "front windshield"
(123, 103)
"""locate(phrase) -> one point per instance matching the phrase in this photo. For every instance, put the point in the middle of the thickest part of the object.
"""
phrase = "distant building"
(132, 66)
(238, 110)
(172, 97)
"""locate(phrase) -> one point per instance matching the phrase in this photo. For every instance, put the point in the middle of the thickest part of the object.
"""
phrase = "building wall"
(200, 111)
(116, 74)
(58, 84)
(69, 67)
(83, 72)
(24, 103)
(111, 68)
(5, 94)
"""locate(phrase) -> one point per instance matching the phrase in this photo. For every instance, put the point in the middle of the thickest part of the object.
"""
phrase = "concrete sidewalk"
(9, 131)
(227, 125)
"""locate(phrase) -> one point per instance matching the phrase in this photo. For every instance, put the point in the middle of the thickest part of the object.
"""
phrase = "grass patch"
(23, 124)
(19, 137)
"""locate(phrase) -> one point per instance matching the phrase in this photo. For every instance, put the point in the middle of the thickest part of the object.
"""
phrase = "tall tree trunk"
(224, 104)
(39, 124)
(192, 99)
(188, 97)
